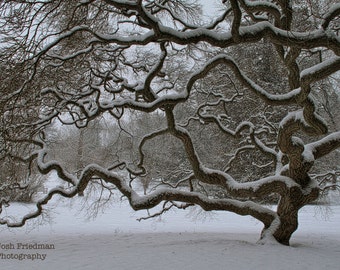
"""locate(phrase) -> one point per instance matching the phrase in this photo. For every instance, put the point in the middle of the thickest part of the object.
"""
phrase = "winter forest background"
(212, 105)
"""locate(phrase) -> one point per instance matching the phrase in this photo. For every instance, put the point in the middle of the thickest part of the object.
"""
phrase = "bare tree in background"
(131, 58)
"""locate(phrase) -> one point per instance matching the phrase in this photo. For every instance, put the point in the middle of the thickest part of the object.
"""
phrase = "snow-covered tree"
(168, 60)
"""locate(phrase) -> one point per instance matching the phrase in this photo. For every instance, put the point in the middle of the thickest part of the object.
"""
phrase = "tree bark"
(288, 213)
(288, 209)
(80, 153)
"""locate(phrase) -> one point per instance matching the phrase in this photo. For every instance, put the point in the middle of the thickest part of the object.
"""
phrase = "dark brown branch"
(324, 146)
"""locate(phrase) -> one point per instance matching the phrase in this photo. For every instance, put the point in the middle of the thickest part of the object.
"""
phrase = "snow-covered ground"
(180, 240)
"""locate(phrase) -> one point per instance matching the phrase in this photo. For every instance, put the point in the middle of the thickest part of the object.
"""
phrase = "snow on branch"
(250, 33)
(271, 99)
(324, 146)
(331, 15)
(142, 202)
(266, 186)
(321, 70)
(253, 7)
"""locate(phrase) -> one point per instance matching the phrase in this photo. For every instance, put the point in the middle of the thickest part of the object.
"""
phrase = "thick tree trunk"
(288, 209)
(288, 212)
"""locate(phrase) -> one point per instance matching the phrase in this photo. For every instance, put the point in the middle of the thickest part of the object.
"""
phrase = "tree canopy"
(219, 105)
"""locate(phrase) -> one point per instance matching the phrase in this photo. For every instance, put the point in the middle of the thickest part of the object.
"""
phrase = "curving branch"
(137, 202)
(324, 146)
(254, 7)
(331, 15)
(280, 99)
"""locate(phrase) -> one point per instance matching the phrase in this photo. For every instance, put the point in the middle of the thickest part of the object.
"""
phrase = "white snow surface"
(179, 240)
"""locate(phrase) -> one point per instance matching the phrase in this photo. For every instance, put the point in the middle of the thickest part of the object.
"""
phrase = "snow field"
(115, 240)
